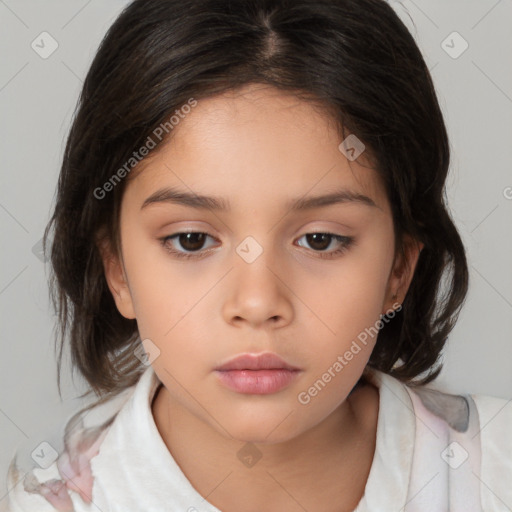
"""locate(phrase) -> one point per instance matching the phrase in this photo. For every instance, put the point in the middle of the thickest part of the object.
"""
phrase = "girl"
(256, 272)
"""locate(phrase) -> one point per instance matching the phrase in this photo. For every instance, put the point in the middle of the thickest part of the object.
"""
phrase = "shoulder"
(445, 450)
(40, 490)
(478, 451)
(491, 418)
(56, 475)
(495, 418)
(62, 484)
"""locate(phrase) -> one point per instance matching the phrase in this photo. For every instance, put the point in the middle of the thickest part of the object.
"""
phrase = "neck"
(337, 452)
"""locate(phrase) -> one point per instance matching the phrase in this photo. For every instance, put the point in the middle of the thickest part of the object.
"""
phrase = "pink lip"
(265, 361)
(257, 374)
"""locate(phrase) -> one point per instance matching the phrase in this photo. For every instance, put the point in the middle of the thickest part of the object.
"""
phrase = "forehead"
(257, 140)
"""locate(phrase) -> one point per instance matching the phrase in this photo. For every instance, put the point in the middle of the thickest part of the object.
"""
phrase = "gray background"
(37, 98)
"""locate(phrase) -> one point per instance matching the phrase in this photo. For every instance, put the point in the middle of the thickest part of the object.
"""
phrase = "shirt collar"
(388, 480)
(134, 457)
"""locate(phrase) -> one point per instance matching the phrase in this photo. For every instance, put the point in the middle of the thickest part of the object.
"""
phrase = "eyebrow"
(201, 202)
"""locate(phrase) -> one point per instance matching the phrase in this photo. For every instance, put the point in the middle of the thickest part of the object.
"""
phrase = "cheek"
(158, 297)
(349, 298)
(345, 307)
(168, 302)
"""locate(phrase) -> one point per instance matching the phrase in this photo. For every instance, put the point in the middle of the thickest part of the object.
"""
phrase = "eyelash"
(346, 241)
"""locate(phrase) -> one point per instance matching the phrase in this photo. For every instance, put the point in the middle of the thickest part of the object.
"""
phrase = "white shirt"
(420, 463)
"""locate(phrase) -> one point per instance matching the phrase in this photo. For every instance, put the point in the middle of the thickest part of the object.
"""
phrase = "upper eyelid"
(325, 231)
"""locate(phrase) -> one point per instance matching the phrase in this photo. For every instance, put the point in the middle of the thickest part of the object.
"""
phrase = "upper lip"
(266, 361)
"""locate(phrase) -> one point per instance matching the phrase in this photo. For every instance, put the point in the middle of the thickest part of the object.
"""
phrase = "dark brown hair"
(356, 58)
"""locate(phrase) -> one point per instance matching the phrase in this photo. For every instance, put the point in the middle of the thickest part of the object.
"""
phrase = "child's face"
(258, 152)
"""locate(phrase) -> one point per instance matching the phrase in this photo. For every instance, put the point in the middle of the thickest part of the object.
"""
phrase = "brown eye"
(186, 244)
(319, 241)
(191, 241)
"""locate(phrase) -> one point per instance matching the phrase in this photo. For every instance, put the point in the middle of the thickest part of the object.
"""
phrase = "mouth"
(257, 373)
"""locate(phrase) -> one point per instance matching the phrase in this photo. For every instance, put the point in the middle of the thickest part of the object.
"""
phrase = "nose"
(258, 295)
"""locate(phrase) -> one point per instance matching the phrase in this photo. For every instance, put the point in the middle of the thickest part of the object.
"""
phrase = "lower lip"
(258, 382)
